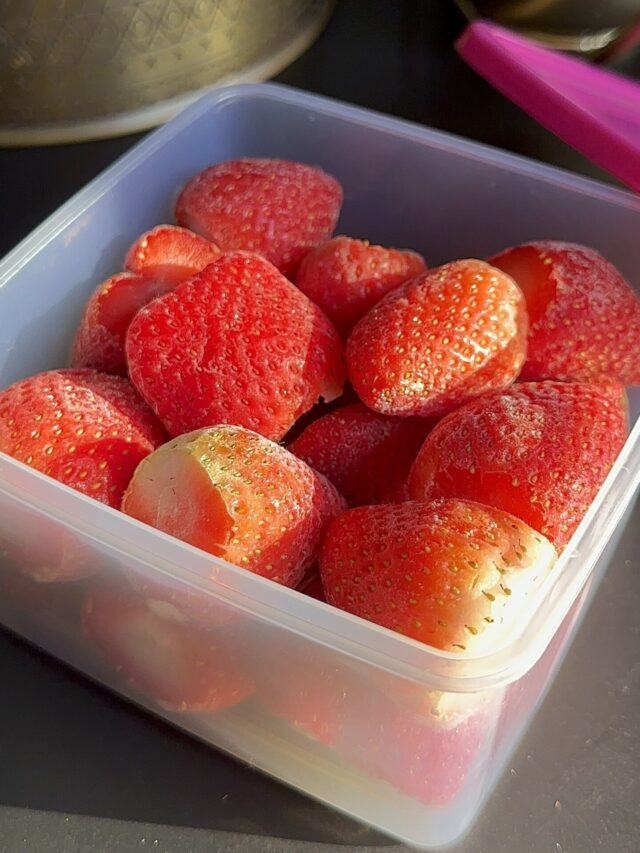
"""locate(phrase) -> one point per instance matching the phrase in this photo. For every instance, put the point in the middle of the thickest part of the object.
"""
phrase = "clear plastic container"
(406, 738)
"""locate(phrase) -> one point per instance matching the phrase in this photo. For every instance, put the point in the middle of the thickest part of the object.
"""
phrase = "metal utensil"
(77, 69)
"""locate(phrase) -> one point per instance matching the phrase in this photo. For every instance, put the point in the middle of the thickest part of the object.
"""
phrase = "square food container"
(401, 736)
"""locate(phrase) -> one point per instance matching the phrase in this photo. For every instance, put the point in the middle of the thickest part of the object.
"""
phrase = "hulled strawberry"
(169, 254)
(179, 666)
(100, 336)
(584, 316)
(439, 340)
(86, 429)
(365, 727)
(158, 261)
(238, 496)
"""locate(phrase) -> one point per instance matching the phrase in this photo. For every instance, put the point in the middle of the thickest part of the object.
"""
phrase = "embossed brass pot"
(80, 69)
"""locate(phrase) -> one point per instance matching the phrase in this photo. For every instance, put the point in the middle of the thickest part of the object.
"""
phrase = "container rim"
(261, 598)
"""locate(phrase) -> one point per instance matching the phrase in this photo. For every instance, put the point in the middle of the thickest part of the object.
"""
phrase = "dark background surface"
(80, 770)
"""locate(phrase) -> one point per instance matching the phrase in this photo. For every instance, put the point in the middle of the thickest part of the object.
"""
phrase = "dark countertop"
(83, 771)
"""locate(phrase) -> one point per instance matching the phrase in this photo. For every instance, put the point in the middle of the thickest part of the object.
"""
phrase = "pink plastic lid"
(594, 110)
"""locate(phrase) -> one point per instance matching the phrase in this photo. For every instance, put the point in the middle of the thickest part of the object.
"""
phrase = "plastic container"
(401, 736)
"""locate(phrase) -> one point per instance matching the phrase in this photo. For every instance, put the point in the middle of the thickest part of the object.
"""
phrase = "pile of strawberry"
(207, 396)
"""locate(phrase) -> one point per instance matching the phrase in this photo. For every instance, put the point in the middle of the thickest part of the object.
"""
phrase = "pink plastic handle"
(594, 110)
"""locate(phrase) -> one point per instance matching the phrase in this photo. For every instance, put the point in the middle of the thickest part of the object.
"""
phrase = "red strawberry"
(276, 208)
(180, 667)
(320, 409)
(441, 339)
(56, 555)
(539, 450)
(237, 495)
(236, 344)
(452, 574)
(366, 727)
(442, 709)
(158, 261)
(311, 585)
(366, 456)
(306, 685)
(86, 429)
(169, 254)
(426, 761)
(346, 277)
(99, 338)
(192, 606)
(584, 316)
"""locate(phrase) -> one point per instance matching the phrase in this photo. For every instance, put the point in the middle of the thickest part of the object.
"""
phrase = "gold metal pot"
(81, 69)
(580, 26)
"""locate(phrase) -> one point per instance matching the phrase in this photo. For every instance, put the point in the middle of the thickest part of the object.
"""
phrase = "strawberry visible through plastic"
(366, 728)
(179, 666)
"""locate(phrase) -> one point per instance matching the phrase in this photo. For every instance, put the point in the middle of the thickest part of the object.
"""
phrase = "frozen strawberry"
(180, 667)
(452, 574)
(124, 399)
(320, 409)
(274, 207)
(346, 277)
(428, 762)
(311, 585)
(238, 496)
(86, 429)
(367, 729)
(367, 456)
(311, 688)
(157, 262)
(442, 709)
(56, 555)
(584, 317)
(184, 605)
(236, 344)
(539, 450)
(169, 254)
(441, 339)
(100, 336)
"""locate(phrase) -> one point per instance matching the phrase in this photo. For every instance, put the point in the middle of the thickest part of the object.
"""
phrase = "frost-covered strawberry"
(238, 496)
(540, 450)
(86, 429)
(439, 340)
(347, 277)
(237, 344)
(277, 208)
(453, 574)
(584, 316)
